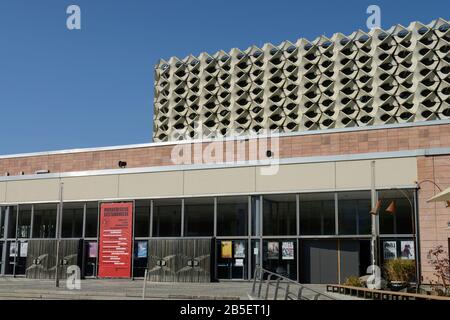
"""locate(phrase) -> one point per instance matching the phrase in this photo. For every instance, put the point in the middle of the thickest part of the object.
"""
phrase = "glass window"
(199, 217)
(140, 260)
(256, 216)
(232, 259)
(91, 220)
(167, 218)
(12, 222)
(232, 216)
(279, 215)
(142, 219)
(24, 223)
(44, 221)
(72, 220)
(2, 222)
(317, 214)
(400, 219)
(354, 212)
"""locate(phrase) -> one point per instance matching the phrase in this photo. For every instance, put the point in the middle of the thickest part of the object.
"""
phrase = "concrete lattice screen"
(366, 78)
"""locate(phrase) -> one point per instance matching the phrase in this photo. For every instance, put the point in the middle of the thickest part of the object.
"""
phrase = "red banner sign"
(116, 228)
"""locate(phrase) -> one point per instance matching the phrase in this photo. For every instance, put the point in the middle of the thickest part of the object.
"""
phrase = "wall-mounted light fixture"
(376, 209)
(42, 172)
(122, 164)
(392, 208)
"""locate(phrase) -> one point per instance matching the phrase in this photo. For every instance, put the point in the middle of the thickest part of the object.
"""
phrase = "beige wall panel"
(156, 184)
(32, 190)
(230, 180)
(2, 192)
(296, 177)
(353, 174)
(94, 187)
(395, 172)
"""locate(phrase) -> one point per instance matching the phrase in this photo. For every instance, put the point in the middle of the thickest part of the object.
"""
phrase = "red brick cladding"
(295, 146)
(433, 216)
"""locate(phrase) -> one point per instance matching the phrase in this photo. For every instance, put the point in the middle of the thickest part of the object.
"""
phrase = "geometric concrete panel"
(219, 181)
(353, 174)
(379, 77)
(39, 190)
(396, 172)
(91, 188)
(156, 184)
(298, 177)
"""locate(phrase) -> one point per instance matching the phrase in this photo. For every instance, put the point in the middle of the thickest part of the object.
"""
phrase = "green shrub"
(353, 281)
(400, 270)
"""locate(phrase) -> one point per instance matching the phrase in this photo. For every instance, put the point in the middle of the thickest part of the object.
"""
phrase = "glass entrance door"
(280, 256)
(90, 259)
(232, 259)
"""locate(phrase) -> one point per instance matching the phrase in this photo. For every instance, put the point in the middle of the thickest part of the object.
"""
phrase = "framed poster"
(407, 250)
(287, 250)
(115, 241)
(23, 249)
(239, 263)
(273, 250)
(142, 249)
(13, 249)
(92, 250)
(226, 247)
(239, 249)
(390, 250)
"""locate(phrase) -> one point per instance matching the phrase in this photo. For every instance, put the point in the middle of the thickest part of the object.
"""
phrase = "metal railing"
(283, 288)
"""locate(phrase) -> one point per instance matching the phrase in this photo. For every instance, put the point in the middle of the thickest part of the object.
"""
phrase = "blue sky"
(93, 87)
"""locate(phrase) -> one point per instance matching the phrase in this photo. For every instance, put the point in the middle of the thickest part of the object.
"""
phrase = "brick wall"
(382, 140)
(433, 216)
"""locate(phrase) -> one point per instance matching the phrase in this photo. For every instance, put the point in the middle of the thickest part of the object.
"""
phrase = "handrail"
(276, 280)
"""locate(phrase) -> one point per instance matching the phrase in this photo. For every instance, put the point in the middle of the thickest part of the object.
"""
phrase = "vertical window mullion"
(32, 221)
(150, 234)
(336, 214)
(182, 218)
(83, 230)
(215, 217)
(297, 213)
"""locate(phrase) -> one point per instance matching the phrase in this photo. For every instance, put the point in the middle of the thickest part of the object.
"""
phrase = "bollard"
(145, 285)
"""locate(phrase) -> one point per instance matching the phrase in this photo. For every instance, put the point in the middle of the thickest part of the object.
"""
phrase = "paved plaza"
(21, 288)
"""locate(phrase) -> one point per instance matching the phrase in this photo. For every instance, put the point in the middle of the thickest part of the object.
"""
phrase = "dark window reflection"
(317, 214)
(142, 219)
(91, 220)
(199, 217)
(400, 221)
(44, 221)
(72, 220)
(279, 215)
(232, 216)
(354, 212)
(167, 218)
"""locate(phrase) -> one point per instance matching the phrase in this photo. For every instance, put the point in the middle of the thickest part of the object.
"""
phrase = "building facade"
(306, 167)
(311, 220)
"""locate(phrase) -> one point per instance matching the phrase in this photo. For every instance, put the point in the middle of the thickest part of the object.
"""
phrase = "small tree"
(441, 265)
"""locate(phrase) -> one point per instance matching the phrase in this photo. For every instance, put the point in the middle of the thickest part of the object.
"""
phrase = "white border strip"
(285, 134)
